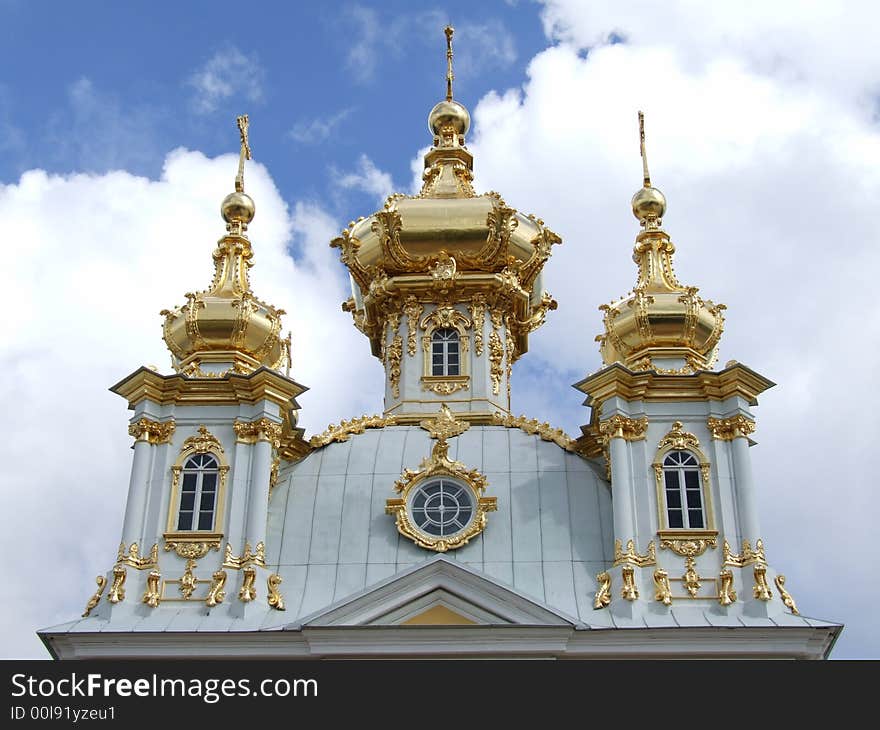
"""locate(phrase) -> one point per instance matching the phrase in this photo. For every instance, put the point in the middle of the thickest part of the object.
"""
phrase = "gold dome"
(660, 325)
(226, 328)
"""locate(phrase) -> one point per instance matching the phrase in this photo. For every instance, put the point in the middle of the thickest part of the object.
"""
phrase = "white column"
(136, 504)
(258, 494)
(621, 495)
(745, 490)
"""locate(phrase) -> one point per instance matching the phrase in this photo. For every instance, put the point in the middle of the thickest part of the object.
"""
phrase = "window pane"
(671, 478)
(207, 502)
(187, 501)
(673, 498)
(184, 521)
(695, 518)
(692, 479)
(206, 520)
(694, 499)
(453, 369)
(437, 369)
(675, 518)
(453, 348)
(189, 482)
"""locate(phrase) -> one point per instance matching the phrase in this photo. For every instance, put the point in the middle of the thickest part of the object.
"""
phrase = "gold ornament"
(603, 592)
(117, 589)
(216, 594)
(275, 599)
(96, 597)
(248, 591)
(727, 429)
(631, 557)
(133, 558)
(444, 425)
(761, 589)
(345, 429)
(152, 594)
(785, 595)
(629, 591)
(188, 580)
(727, 594)
(662, 592)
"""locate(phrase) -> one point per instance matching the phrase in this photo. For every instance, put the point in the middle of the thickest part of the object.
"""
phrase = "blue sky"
(118, 142)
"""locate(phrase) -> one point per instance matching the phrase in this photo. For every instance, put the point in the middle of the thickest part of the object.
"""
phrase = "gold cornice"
(345, 429)
(617, 380)
(534, 427)
(154, 432)
(727, 429)
(231, 389)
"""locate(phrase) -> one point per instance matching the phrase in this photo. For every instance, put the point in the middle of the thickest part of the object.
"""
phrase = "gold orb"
(237, 207)
(449, 113)
(648, 203)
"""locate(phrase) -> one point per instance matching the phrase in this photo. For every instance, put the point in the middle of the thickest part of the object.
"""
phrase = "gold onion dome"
(447, 238)
(660, 325)
(226, 328)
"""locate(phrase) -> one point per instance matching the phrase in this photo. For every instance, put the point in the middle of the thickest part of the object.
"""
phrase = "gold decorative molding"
(216, 594)
(761, 589)
(478, 318)
(785, 595)
(134, 559)
(727, 429)
(678, 439)
(188, 580)
(345, 429)
(152, 593)
(202, 442)
(747, 556)
(153, 432)
(263, 429)
(445, 384)
(603, 592)
(629, 591)
(534, 427)
(248, 591)
(688, 543)
(192, 545)
(444, 425)
(662, 591)
(631, 557)
(275, 599)
(691, 578)
(257, 557)
(393, 355)
(629, 429)
(439, 464)
(726, 594)
(496, 356)
(413, 310)
(117, 589)
(96, 596)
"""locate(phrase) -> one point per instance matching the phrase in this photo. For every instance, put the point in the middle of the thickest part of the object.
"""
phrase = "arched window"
(198, 493)
(684, 491)
(445, 352)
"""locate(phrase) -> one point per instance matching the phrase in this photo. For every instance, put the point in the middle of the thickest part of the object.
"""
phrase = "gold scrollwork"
(691, 578)
(444, 425)
(534, 427)
(152, 593)
(393, 355)
(248, 591)
(188, 580)
(727, 429)
(192, 547)
(727, 594)
(662, 591)
(445, 384)
(117, 589)
(761, 589)
(478, 317)
(345, 429)
(413, 310)
(747, 556)
(248, 557)
(603, 592)
(134, 559)
(687, 545)
(630, 429)
(678, 439)
(275, 599)
(631, 557)
(151, 431)
(263, 429)
(202, 442)
(629, 591)
(496, 356)
(439, 463)
(216, 594)
(785, 595)
(96, 596)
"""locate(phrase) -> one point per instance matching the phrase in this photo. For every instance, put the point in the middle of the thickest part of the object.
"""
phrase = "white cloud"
(771, 170)
(315, 131)
(480, 47)
(228, 74)
(367, 178)
(97, 257)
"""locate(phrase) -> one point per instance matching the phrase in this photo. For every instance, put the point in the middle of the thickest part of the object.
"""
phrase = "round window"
(441, 506)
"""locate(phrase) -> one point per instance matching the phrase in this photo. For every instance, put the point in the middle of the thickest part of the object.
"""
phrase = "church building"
(447, 525)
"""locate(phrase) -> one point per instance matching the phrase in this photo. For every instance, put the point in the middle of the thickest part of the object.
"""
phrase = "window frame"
(447, 337)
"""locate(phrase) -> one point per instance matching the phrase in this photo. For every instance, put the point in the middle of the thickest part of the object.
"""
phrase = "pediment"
(438, 592)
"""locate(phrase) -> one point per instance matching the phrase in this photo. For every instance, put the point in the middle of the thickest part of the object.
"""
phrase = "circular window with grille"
(442, 507)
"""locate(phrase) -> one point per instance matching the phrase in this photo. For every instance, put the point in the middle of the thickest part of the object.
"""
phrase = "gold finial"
(647, 181)
(449, 30)
(245, 151)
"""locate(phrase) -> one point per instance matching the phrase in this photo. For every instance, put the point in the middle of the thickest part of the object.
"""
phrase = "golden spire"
(243, 123)
(661, 325)
(449, 30)
(238, 208)
(647, 175)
